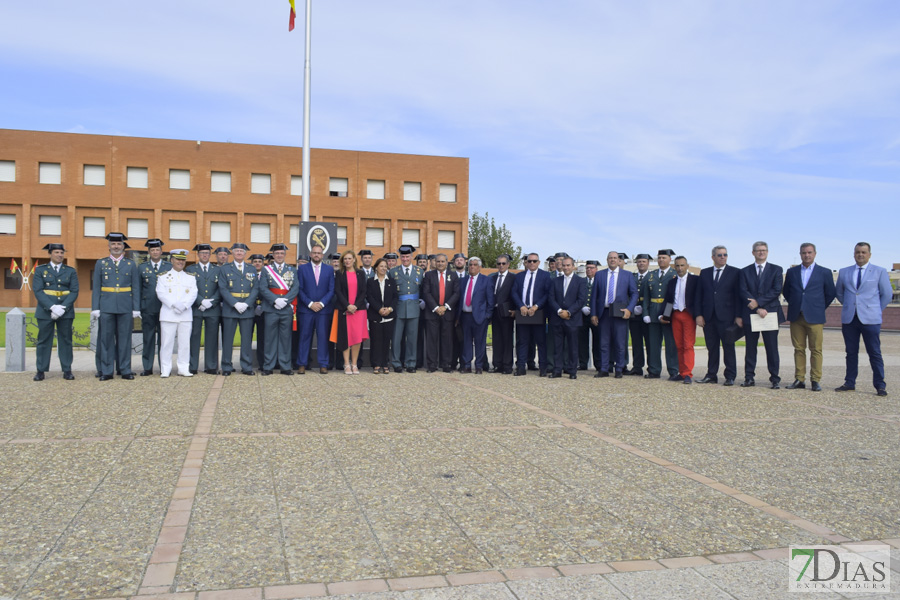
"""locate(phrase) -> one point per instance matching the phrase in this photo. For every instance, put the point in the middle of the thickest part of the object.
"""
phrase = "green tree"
(487, 241)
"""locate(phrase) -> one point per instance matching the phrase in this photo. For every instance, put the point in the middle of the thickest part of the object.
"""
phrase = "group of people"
(432, 312)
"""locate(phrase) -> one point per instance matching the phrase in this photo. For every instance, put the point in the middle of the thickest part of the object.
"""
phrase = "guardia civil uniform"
(654, 293)
(278, 282)
(408, 279)
(116, 295)
(238, 286)
(55, 289)
(207, 313)
(639, 331)
(177, 291)
(588, 333)
(150, 306)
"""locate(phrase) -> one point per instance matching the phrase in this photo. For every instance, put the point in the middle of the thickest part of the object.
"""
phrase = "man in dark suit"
(640, 331)
(503, 317)
(808, 289)
(588, 333)
(568, 296)
(718, 307)
(761, 284)
(440, 290)
(681, 297)
(613, 288)
(531, 294)
(476, 303)
(207, 311)
(653, 293)
(315, 296)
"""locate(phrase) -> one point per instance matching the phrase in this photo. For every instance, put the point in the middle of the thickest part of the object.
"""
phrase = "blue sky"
(590, 125)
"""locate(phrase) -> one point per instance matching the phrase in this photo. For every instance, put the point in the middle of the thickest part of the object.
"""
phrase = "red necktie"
(441, 290)
(469, 291)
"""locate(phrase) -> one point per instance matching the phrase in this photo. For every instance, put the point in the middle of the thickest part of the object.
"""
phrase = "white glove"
(54, 316)
(179, 307)
(135, 314)
(421, 304)
(638, 309)
(206, 304)
(280, 303)
(660, 317)
(240, 307)
(58, 310)
(201, 308)
(258, 310)
(647, 319)
(95, 314)
(586, 310)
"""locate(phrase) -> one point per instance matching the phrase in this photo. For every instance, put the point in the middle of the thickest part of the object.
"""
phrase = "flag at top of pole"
(293, 16)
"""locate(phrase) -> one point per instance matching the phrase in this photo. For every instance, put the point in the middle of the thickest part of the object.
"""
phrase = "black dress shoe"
(636, 372)
(729, 382)
(211, 371)
(129, 377)
(618, 374)
(554, 375)
(67, 375)
(39, 376)
(844, 388)
(748, 382)
(532, 367)
(708, 379)
(398, 369)
(287, 372)
(430, 370)
(250, 372)
(542, 374)
(193, 371)
(507, 371)
(146, 373)
(815, 387)
(675, 378)
(776, 385)
(518, 373)
(410, 369)
(227, 373)
(105, 377)
(687, 380)
(479, 371)
(465, 369)
(797, 385)
(601, 374)
(448, 370)
(882, 392)
(573, 376)
(651, 376)
(265, 372)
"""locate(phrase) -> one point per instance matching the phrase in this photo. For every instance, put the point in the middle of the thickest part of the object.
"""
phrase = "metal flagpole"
(306, 79)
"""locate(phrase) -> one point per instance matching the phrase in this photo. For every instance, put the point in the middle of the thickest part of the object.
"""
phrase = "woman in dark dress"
(382, 296)
(349, 329)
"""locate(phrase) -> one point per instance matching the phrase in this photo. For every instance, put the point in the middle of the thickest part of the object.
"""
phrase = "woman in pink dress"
(350, 322)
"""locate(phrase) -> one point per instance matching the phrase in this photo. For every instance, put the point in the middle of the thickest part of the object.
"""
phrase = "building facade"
(75, 188)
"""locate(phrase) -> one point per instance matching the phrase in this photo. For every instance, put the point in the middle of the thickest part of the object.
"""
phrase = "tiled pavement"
(436, 486)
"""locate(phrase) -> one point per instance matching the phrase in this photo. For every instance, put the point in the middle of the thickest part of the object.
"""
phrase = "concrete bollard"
(15, 341)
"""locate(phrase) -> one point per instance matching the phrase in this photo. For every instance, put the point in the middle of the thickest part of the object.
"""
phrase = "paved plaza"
(438, 486)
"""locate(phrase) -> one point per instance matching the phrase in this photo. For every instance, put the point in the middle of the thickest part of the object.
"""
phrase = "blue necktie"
(858, 277)
(611, 292)
(528, 291)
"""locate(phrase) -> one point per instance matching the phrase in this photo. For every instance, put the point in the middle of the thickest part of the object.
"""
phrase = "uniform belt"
(657, 300)
(241, 294)
(278, 291)
(409, 297)
(56, 293)
(115, 289)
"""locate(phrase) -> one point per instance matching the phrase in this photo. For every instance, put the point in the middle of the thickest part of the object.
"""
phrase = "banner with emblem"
(314, 233)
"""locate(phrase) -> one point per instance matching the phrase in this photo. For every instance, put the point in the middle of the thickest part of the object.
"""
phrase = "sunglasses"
(500, 264)
(532, 261)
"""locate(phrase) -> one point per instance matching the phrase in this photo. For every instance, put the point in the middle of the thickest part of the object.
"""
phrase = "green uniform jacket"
(122, 276)
(46, 282)
(149, 300)
(235, 286)
(654, 288)
(408, 288)
(207, 289)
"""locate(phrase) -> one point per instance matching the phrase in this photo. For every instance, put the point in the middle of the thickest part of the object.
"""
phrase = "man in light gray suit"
(864, 290)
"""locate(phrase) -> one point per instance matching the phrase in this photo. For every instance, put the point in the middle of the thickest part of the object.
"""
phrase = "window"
(50, 173)
(220, 231)
(179, 179)
(295, 234)
(341, 236)
(410, 236)
(220, 181)
(138, 228)
(448, 192)
(446, 239)
(338, 186)
(7, 170)
(375, 189)
(94, 175)
(95, 227)
(374, 236)
(51, 225)
(136, 177)
(11, 281)
(179, 230)
(260, 183)
(7, 224)
(259, 233)
(296, 185)
(412, 190)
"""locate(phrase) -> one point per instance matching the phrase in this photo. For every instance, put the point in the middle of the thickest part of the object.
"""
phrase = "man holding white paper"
(761, 284)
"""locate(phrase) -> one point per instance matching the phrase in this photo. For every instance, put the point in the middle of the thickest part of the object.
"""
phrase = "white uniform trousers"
(167, 337)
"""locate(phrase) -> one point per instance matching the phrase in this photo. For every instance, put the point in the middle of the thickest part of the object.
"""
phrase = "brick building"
(75, 188)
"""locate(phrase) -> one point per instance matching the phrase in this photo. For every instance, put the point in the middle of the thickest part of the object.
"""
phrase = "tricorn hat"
(154, 243)
(52, 247)
(117, 237)
(239, 245)
(200, 247)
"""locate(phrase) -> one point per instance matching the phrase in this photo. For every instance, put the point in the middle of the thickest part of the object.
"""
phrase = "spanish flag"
(33, 267)
(24, 268)
(14, 267)
(293, 16)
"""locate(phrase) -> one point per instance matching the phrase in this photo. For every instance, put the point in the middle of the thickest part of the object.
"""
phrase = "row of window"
(219, 231)
(220, 181)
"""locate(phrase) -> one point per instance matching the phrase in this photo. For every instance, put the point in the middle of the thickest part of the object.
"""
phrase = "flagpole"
(306, 94)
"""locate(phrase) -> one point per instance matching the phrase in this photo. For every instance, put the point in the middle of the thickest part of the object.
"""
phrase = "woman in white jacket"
(177, 290)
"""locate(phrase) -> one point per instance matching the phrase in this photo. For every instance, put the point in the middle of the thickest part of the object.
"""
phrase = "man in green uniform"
(640, 331)
(238, 285)
(654, 294)
(278, 287)
(408, 277)
(116, 302)
(207, 312)
(150, 305)
(55, 288)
